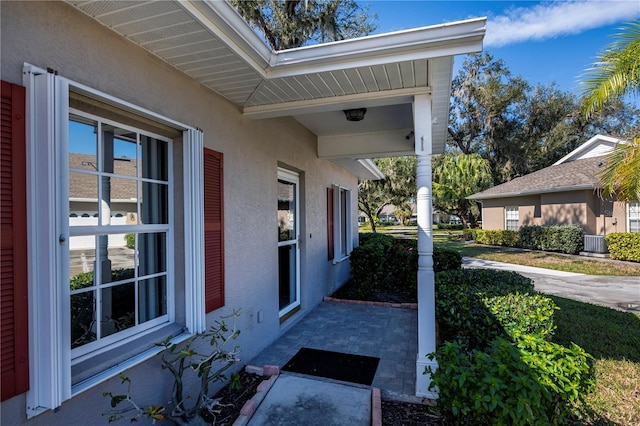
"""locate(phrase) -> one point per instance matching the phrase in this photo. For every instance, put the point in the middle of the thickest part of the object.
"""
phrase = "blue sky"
(545, 42)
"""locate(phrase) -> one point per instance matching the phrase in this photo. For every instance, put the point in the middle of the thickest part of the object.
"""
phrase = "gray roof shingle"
(570, 176)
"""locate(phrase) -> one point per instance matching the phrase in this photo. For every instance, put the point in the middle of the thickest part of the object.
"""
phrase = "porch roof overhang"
(210, 42)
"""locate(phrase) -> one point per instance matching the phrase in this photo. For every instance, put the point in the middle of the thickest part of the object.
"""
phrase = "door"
(288, 242)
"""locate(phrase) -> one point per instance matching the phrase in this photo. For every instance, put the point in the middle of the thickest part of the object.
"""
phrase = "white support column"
(426, 278)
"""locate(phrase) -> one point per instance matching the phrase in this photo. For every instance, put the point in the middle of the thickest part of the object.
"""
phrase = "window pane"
(117, 262)
(83, 199)
(118, 194)
(83, 315)
(152, 298)
(287, 277)
(83, 144)
(286, 211)
(117, 309)
(154, 203)
(82, 257)
(124, 160)
(154, 158)
(343, 222)
(152, 253)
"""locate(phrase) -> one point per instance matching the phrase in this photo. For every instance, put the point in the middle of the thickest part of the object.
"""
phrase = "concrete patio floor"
(388, 333)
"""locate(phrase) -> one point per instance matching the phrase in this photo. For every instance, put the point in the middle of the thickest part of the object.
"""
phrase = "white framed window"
(511, 218)
(117, 291)
(342, 227)
(101, 230)
(633, 216)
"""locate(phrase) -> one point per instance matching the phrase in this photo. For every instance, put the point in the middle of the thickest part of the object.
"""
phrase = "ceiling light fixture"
(356, 114)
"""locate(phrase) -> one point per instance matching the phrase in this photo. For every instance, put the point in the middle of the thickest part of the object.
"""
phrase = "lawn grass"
(613, 339)
(538, 259)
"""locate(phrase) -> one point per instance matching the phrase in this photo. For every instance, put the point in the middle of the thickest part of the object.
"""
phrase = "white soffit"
(209, 41)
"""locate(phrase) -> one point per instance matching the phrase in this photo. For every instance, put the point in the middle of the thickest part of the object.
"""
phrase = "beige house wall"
(583, 208)
(493, 211)
(55, 35)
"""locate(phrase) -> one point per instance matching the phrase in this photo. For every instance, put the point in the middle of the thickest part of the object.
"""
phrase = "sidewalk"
(620, 293)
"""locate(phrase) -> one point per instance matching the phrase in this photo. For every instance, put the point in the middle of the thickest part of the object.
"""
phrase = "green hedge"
(624, 246)
(531, 382)
(498, 237)
(469, 234)
(496, 366)
(565, 239)
(384, 263)
(449, 226)
(465, 299)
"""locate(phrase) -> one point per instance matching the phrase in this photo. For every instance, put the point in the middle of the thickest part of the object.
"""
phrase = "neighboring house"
(562, 194)
(233, 167)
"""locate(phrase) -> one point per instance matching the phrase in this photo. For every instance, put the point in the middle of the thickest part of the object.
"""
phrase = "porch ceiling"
(210, 42)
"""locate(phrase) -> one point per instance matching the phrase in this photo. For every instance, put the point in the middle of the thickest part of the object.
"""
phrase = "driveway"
(621, 293)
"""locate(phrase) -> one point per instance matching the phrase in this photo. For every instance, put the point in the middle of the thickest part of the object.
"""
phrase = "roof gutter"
(479, 197)
(226, 23)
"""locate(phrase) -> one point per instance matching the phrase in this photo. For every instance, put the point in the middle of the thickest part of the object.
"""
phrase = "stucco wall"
(55, 35)
(584, 208)
(611, 216)
(493, 211)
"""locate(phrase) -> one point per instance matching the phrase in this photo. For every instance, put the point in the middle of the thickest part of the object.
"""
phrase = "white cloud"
(553, 19)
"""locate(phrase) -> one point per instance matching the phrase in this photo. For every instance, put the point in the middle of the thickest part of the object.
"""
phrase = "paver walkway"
(388, 333)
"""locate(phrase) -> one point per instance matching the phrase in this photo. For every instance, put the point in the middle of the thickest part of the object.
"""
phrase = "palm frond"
(616, 73)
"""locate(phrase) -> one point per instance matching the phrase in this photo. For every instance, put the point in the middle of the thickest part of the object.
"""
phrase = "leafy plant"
(624, 246)
(498, 237)
(384, 263)
(462, 297)
(178, 359)
(131, 240)
(531, 382)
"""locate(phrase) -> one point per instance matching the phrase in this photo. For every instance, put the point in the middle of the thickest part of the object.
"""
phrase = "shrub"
(498, 237)
(131, 240)
(469, 234)
(462, 299)
(449, 226)
(445, 259)
(532, 382)
(190, 358)
(565, 239)
(523, 313)
(624, 246)
(384, 263)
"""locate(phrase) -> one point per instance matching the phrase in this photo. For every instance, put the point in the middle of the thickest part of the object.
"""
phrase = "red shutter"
(13, 245)
(330, 243)
(213, 230)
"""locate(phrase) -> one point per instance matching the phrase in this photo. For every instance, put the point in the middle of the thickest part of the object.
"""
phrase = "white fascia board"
(225, 22)
(358, 100)
(372, 168)
(421, 43)
(478, 197)
(587, 145)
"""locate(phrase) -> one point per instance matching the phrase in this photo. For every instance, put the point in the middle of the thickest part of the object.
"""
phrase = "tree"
(397, 188)
(615, 74)
(287, 24)
(455, 177)
(518, 128)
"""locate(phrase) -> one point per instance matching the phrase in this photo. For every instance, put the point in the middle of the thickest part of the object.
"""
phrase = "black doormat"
(334, 365)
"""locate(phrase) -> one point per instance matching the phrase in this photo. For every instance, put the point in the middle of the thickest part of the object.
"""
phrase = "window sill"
(340, 259)
(97, 363)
